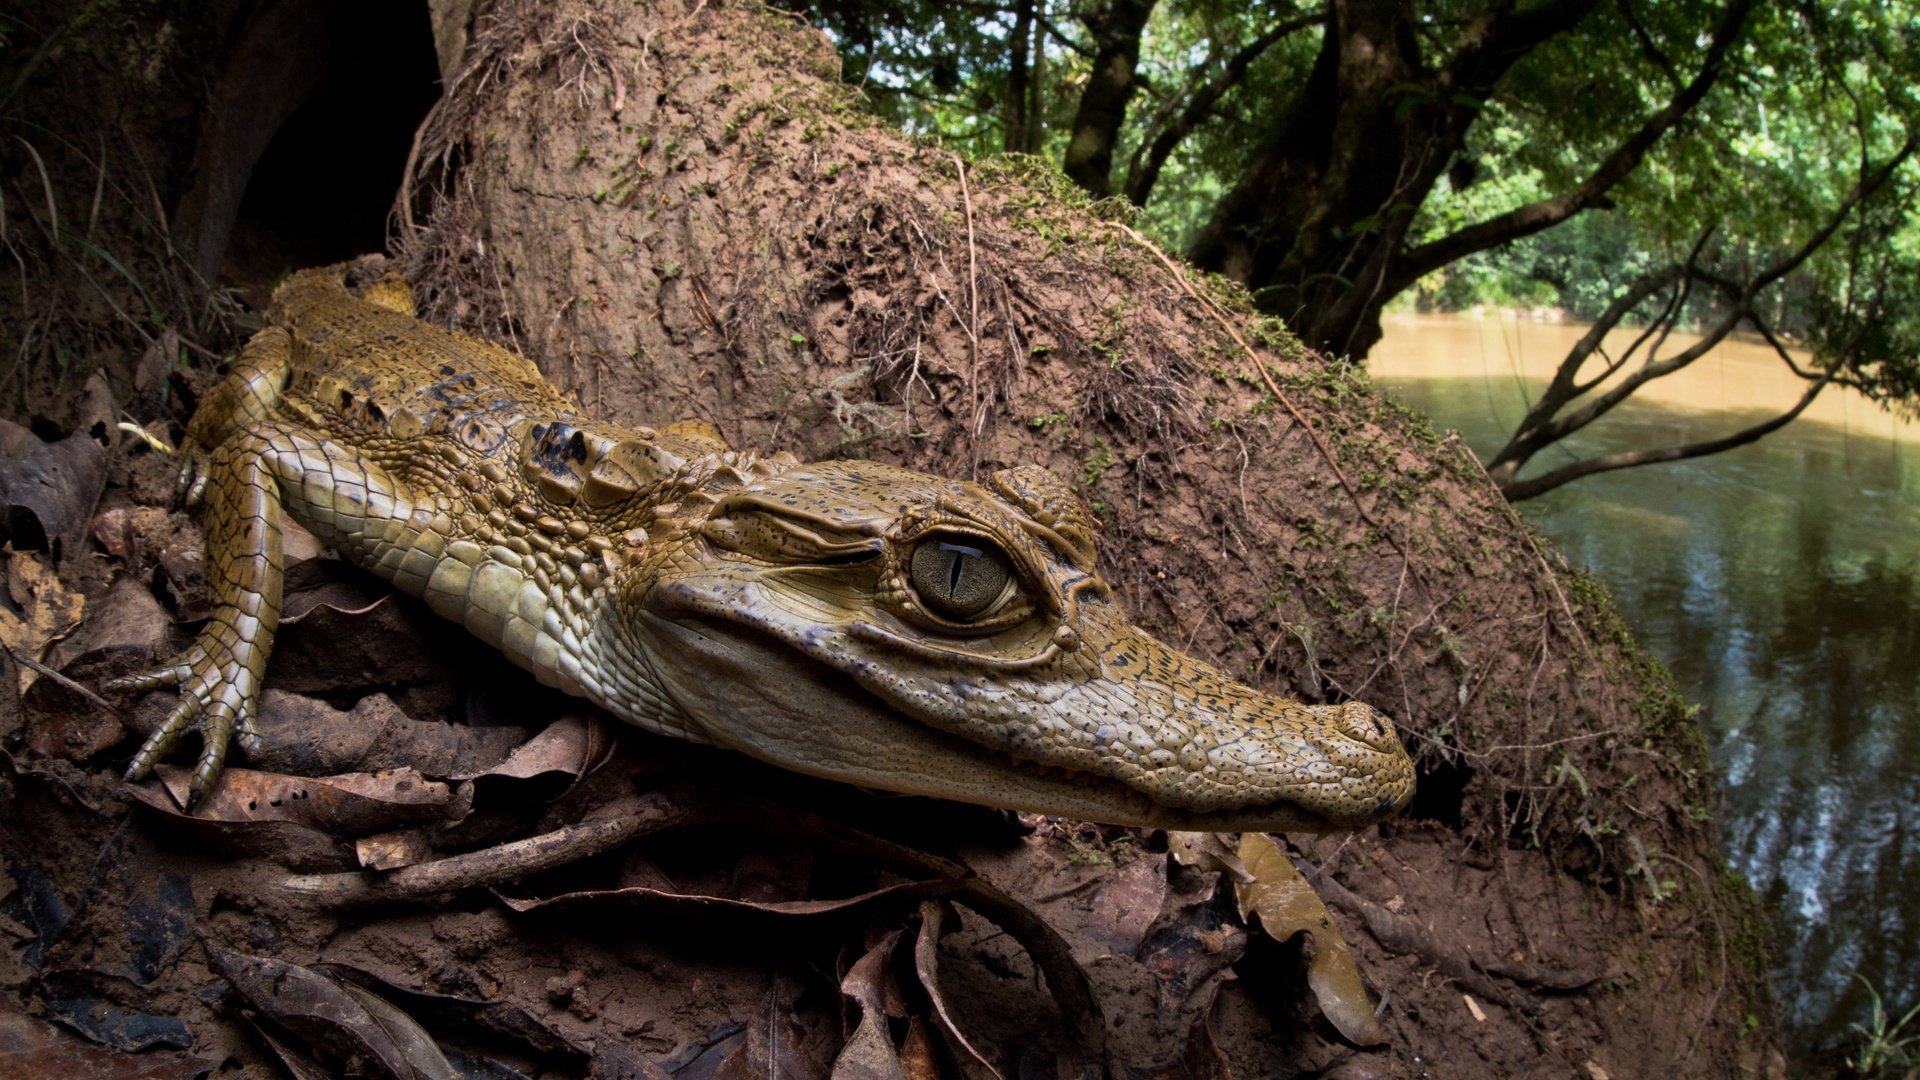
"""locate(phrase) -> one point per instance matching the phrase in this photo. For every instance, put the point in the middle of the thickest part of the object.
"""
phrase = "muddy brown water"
(1781, 584)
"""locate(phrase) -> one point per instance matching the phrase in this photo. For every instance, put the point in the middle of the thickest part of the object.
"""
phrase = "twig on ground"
(977, 420)
(604, 830)
(44, 671)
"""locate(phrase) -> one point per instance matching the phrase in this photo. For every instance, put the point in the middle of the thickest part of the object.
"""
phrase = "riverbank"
(1510, 350)
(1780, 583)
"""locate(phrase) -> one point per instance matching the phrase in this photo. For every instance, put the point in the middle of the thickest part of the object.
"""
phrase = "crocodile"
(846, 619)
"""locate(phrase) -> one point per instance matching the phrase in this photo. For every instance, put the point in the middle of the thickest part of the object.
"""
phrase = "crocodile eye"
(960, 579)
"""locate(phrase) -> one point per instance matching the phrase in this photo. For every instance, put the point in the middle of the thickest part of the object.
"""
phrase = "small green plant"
(1886, 1049)
(1097, 461)
(1047, 420)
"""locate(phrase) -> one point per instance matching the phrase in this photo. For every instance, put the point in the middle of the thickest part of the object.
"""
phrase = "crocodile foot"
(219, 695)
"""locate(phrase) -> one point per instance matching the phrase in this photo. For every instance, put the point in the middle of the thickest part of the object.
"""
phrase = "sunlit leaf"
(1287, 906)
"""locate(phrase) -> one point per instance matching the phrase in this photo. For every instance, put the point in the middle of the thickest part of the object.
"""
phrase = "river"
(1781, 584)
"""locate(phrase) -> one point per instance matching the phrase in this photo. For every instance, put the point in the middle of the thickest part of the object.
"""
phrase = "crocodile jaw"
(1092, 739)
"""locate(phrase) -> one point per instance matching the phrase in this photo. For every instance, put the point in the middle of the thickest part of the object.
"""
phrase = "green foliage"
(1811, 96)
(1886, 1047)
(1763, 163)
(934, 69)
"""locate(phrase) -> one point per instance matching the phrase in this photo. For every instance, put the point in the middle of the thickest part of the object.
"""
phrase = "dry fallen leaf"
(342, 1022)
(869, 1053)
(392, 850)
(1208, 851)
(918, 1058)
(351, 804)
(42, 611)
(926, 958)
(32, 1047)
(1287, 906)
(568, 748)
(48, 489)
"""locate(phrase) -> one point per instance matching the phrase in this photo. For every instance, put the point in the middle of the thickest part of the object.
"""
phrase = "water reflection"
(1781, 583)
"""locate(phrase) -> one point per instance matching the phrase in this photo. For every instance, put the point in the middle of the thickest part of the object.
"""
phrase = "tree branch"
(1530, 434)
(1647, 45)
(1053, 31)
(1741, 305)
(1144, 170)
(1502, 33)
(1871, 181)
(1625, 158)
(1516, 490)
(1546, 423)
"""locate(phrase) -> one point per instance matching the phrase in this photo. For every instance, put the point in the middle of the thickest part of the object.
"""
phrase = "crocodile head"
(892, 629)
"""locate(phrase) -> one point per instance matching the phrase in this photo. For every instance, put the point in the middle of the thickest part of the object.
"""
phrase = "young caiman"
(845, 619)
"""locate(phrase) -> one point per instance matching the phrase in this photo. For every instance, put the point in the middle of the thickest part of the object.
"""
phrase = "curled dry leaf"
(48, 490)
(917, 1056)
(392, 850)
(694, 902)
(869, 1053)
(340, 1021)
(567, 750)
(1208, 851)
(565, 746)
(926, 964)
(314, 585)
(128, 616)
(470, 1016)
(1287, 906)
(113, 528)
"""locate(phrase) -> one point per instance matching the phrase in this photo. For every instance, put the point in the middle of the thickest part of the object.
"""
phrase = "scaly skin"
(844, 619)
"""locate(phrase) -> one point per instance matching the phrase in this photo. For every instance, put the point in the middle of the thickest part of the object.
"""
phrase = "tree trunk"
(679, 212)
(1317, 224)
(1314, 221)
(1116, 29)
(1015, 137)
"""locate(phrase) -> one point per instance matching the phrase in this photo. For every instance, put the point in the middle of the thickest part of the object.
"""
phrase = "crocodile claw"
(218, 695)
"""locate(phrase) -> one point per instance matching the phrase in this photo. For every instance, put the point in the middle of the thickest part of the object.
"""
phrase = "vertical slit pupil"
(961, 553)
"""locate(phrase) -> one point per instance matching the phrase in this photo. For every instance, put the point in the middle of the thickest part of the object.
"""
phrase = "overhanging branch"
(1526, 489)
(1618, 165)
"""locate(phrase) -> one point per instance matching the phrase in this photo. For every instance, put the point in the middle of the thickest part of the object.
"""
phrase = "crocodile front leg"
(219, 676)
(266, 469)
